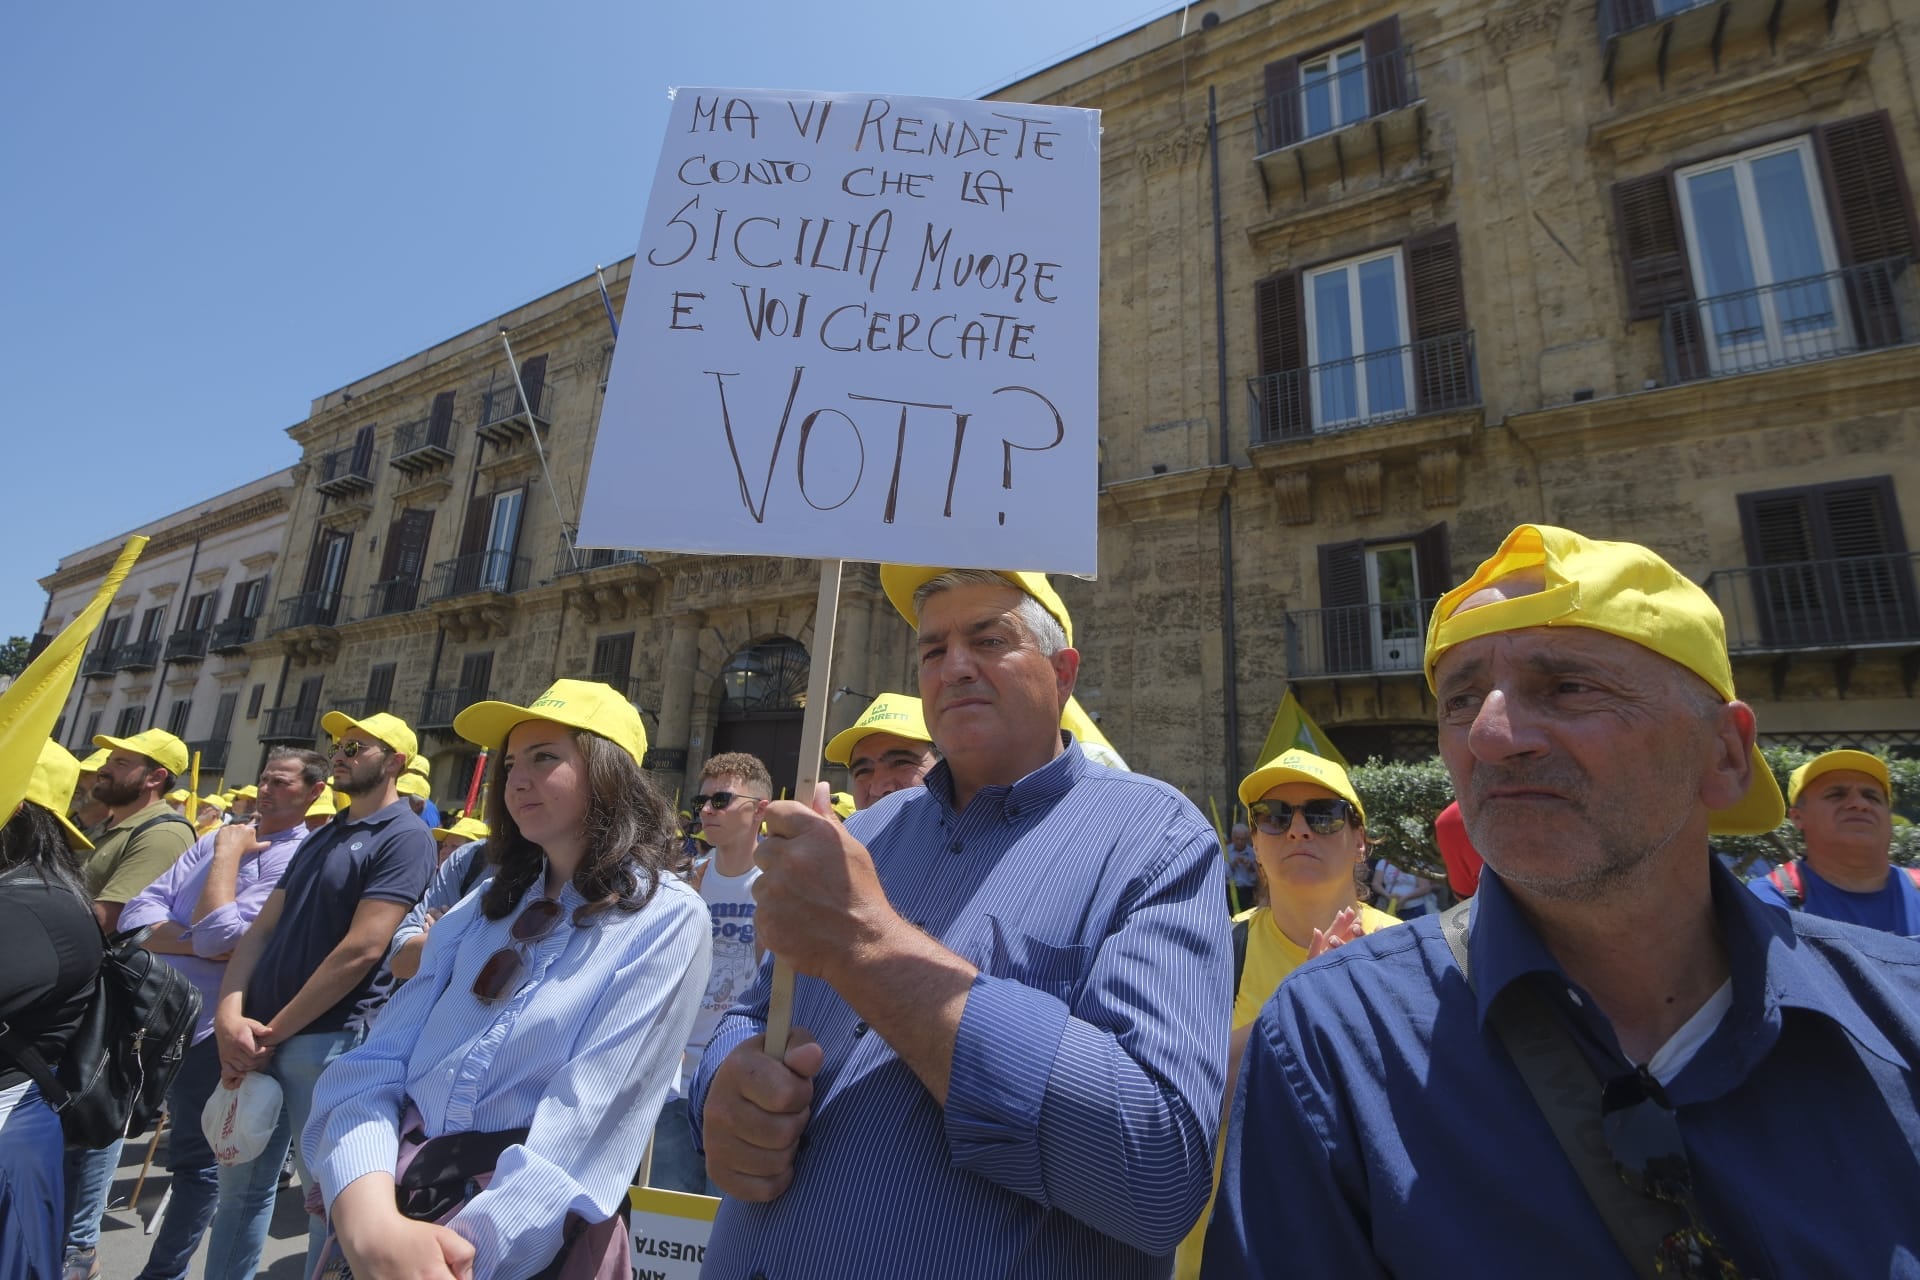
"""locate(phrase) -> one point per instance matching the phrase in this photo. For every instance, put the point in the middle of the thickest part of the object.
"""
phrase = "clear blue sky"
(217, 211)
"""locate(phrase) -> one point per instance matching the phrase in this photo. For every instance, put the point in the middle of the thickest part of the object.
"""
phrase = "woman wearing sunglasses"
(537, 1041)
(1310, 835)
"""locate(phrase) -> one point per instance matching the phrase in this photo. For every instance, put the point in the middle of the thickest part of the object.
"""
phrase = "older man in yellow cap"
(887, 749)
(1014, 974)
(1623, 1053)
(1842, 801)
(307, 976)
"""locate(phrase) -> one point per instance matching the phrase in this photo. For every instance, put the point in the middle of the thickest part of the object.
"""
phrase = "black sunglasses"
(352, 749)
(499, 976)
(718, 800)
(1324, 816)
(1643, 1137)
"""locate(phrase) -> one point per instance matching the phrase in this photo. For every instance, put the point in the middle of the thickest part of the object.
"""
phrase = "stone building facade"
(172, 651)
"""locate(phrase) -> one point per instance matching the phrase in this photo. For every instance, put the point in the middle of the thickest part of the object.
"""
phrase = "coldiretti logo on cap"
(547, 702)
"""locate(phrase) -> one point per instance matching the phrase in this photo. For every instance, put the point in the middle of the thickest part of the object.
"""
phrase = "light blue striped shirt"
(1077, 1139)
(582, 1054)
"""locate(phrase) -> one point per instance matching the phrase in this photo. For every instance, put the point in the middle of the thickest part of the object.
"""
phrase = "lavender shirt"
(176, 894)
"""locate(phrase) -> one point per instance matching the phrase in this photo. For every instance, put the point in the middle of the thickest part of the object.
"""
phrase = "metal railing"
(1617, 17)
(345, 469)
(1434, 375)
(311, 609)
(357, 708)
(187, 646)
(1850, 603)
(503, 405)
(580, 560)
(1357, 640)
(213, 757)
(1346, 95)
(1857, 308)
(234, 633)
(98, 662)
(395, 595)
(421, 437)
(438, 707)
(291, 724)
(137, 655)
(479, 571)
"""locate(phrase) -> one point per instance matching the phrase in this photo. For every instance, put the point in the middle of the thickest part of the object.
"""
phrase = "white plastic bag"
(239, 1120)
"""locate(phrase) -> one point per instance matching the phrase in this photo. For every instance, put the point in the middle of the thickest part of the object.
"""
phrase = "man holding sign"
(977, 1066)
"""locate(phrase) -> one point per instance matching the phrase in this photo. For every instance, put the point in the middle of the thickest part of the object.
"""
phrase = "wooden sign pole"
(813, 741)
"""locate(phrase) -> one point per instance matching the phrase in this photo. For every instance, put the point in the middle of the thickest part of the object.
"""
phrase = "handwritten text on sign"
(863, 328)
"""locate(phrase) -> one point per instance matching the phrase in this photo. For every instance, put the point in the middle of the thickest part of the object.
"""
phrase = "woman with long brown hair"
(531, 1053)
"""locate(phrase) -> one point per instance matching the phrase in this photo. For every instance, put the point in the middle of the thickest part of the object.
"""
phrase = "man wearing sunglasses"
(306, 977)
(1009, 1035)
(1618, 1064)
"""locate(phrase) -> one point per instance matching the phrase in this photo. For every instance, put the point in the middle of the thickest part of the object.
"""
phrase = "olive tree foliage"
(1403, 799)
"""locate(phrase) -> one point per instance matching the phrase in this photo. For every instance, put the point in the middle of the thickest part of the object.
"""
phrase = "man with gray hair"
(1007, 1048)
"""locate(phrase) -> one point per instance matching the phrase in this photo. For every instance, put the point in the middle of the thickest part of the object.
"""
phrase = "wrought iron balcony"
(1361, 91)
(395, 595)
(1435, 375)
(1861, 602)
(139, 655)
(1357, 640)
(503, 415)
(1859, 308)
(187, 646)
(291, 724)
(346, 471)
(494, 571)
(438, 707)
(422, 445)
(1647, 35)
(233, 634)
(311, 609)
(582, 559)
(98, 662)
(357, 709)
(213, 756)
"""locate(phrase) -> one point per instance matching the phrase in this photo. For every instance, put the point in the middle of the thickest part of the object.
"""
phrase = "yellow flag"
(1075, 720)
(1293, 727)
(30, 706)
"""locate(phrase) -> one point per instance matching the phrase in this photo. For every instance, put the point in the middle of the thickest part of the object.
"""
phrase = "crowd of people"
(1025, 1037)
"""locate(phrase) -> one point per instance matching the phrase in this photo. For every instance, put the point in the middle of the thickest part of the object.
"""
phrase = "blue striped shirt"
(1077, 1139)
(583, 1054)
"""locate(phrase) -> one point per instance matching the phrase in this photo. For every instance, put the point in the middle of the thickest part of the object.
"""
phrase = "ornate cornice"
(260, 508)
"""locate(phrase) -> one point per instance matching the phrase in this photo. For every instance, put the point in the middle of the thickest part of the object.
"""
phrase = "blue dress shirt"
(1077, 1139)
(1894, 907)
(582, 1054)
(1379, 1127)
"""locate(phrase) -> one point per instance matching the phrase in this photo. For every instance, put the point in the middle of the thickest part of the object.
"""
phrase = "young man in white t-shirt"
(727, 806)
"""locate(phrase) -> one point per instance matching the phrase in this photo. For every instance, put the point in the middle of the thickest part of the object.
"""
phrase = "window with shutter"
(177, 717)
(1873, 220)
(223, 716)
(362, 463)
(533, 381)
(440, 420)
(1830, 565)
(1282, 342)
(1357, 348)
(152, 622)
(1653, 253)
(129, 722)
(254, 698)
(91, 732)
(380, 688)
(1283, 103)
(1387, 79)
(1443, 369)
(476, 674)
(613, 659)
(1344, 617)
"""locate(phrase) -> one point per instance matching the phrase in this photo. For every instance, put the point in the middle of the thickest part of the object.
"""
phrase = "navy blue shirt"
(1379, 1127)
(388, 857)
(1893, 908)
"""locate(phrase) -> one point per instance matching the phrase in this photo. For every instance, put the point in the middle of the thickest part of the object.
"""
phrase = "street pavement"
(124, 1244)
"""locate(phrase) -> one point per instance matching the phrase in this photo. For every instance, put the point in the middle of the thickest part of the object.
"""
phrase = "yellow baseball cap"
(1623, 589)
(843, 804)
(55, 774)
(1301, 766)
(179, 796)
(419, 765)
(324, 807)
(341, 800)
(382, 725)
(579, 704)
(156, 745)
(412, 784)
(471, 828)
(1859, 761)
(93, 762)
(248, 792)
(218, 801)
(895, 713)
(902, 580)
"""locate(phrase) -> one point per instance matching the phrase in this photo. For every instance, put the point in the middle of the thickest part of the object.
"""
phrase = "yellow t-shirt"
(1271, 956)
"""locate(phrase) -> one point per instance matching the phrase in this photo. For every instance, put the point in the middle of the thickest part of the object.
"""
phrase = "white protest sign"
(860, 327)
(669, 1230)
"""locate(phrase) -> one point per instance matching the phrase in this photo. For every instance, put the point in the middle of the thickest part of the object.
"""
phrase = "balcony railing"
(581, 559)
(187, 646)
(1342, 95)
(139, 655)
(1853, 603)
(1357, 640)
(346, 471)
(1617, 17)
(234, 633)
(503, 415)
(422, 445)
(213, 756)
(312, 609)
(98, 662)
(1858, 308)
(438, 707)
(358, 709)
(481, 571)
(291, 724)
(395, 595)
(1434, 375)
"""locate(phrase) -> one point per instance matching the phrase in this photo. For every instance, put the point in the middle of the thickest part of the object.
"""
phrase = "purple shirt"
(176, 894)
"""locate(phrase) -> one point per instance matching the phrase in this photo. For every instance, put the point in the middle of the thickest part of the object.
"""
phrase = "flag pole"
(533, 428)
(607, 302)
(813, 738)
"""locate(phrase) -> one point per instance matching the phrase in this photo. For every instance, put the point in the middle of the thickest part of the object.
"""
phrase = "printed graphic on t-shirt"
(733, 960)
